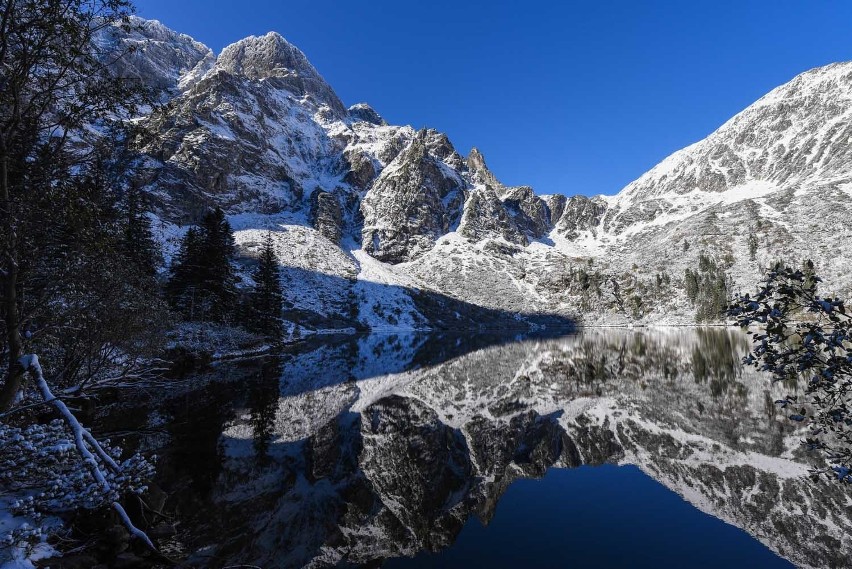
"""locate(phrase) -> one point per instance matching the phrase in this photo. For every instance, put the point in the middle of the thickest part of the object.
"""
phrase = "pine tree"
(691, 285)
(216, 273)
(752, 246)
(183, 279)
(139, 242)
(202, 285)
(264, 303)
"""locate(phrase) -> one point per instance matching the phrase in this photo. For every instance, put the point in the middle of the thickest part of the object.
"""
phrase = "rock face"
(580, 213)
(366, 113)
(326, 215)
(529, 211)
(257, 130)
(163, 60)
(479, 172)
(414, 201)
(556, 205)
(271, 57)
(485, 217)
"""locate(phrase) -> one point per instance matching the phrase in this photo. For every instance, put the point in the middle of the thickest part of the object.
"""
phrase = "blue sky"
(569, 97)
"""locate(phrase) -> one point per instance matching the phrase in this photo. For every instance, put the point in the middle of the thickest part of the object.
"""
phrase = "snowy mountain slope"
(776, 171)
(163, 60)
(257, 130)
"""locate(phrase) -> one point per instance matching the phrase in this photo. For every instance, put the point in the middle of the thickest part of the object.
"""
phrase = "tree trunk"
(9, 278)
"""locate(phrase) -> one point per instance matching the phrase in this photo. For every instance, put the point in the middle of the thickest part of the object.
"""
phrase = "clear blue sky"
(569, 97)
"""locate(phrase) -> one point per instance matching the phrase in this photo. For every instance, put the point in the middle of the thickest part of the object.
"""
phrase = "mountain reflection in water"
(395, 447)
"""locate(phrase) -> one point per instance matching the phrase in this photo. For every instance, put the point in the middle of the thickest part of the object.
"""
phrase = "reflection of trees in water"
(263, 397)
(717, 358)
(405, 470)
(640, 357)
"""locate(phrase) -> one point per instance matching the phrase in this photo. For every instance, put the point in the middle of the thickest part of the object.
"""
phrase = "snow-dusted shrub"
(806, 339)
(41, 464)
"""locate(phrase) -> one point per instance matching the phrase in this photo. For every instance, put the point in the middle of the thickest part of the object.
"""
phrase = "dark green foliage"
(139, 243)
(182, 286)
(92, 302)
(52, 85)
(263, 314)
(636, 305)
(805, 340)
(202, 284)
(707, 289)
(691, 285)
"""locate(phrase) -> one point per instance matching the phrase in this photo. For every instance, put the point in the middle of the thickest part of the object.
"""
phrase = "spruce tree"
(202, 285)
(264, 303)
(139, 242)
(184, 278)
(217, 277)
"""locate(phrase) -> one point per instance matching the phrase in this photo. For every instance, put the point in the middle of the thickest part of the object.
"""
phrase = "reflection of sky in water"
(602, 516)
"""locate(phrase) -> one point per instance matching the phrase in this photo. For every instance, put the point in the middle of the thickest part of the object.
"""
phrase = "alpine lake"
(601, 448)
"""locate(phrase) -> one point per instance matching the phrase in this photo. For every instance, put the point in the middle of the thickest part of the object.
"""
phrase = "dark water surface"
(598, 516)
(602, 449)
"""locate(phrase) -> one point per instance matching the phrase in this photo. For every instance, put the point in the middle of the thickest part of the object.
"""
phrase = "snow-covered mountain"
(370, 217)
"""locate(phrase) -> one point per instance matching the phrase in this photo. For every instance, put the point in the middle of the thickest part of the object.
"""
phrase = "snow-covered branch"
(85, 444)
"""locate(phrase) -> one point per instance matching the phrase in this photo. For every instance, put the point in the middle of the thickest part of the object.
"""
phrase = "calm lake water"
(601, 449)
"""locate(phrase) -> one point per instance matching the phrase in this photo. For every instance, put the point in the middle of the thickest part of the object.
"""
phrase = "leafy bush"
(805, 338)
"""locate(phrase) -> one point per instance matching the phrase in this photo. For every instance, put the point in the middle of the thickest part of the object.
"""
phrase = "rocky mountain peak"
(529, 211)
(479, 172)
(264, 56)
(486, 217)
(365, 113)
(261, 133)
(416, 199)
(271, 57)
(163, 60)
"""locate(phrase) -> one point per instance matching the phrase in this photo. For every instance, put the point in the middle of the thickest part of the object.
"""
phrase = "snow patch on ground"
(21, 555)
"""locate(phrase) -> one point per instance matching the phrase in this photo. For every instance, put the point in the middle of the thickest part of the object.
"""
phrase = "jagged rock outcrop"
(361, 168)
(485, 217)
(326, 215)
(580, 213)
(479, 172)
(161, 59)
(528, 210)
(365, 113)
(415, 200)
(556, 206)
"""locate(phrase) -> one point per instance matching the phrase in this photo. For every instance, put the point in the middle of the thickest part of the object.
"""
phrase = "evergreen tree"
(202, 285)
(183, 279)
(707, 289)
(139, 242)
(752, 246)
(218, 280)
(264, 303)
(691, 285)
